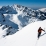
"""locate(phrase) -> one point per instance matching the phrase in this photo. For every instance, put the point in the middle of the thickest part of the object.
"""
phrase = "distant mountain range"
(16, 17)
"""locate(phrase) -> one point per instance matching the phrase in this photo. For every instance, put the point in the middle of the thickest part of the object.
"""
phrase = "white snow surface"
(43, 9)
(25, 37)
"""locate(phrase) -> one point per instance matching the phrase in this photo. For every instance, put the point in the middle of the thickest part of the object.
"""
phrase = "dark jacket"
(40, 30)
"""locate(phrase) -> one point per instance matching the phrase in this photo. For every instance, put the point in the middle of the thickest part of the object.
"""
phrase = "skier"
(40, 31)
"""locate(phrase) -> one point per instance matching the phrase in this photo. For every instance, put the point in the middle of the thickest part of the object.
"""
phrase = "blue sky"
(28, 3)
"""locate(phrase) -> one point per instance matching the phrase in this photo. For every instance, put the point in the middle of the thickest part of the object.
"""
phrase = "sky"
(28, 3)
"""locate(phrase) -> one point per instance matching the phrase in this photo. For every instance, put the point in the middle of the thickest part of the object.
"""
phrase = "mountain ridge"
(17, 16)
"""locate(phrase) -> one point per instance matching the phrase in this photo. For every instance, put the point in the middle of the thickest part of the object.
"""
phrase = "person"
(40, 31)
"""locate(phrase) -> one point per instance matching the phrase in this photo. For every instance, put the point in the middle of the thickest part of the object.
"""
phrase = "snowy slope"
(26, 37)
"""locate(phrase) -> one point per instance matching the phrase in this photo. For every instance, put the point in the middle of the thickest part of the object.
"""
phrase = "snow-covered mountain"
(25, 37)
(43, 9)
(16, 17)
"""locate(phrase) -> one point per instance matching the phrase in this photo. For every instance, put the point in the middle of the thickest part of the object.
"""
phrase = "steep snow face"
(2, 32)
(27, 36)
(25, 15)
(13, 20)
(6, 30)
